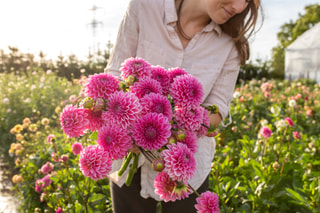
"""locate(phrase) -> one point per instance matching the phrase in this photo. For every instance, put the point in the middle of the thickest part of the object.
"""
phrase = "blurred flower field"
(267, 160)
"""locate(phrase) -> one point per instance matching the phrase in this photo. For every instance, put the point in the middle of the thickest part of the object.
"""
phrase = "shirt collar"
(171, 17)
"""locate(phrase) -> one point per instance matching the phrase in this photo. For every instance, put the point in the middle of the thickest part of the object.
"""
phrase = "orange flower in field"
(33, 127)
(26, 121)
(18, 128)
(45, 121)
(19, 137)
(309, 112)
(17, 179)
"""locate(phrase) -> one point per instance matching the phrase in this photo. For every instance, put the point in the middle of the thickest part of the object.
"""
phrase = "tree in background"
(288, 34)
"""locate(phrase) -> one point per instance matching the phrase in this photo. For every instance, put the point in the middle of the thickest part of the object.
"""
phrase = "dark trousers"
(128, 200)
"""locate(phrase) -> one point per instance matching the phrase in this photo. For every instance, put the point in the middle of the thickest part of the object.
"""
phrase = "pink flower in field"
(59, 210)
(64, 158)
(46, 168)
(156, 103)
(136, 67)
(55, 157)
(51, 138)
(77, 148)
(309, 112)
(161, 75)
(115, 140)
(298, 96)
(122, 109)
(95, 119)
(73, 98)
(42, 183)
(296, 135)
(151, 131)
(170, 190)
(74, 121)
(101, 85)
(189, 119)
(207, 202)
(95, 162)
(180, 163)
(146, 86)
(191, 140)
(266, 87)
(289, 121)
(175, 72)
(265, 132)
(186, 91)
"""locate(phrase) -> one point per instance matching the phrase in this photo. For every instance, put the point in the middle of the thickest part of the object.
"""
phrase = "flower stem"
(125, 164)
(195, 191)
(133, 169)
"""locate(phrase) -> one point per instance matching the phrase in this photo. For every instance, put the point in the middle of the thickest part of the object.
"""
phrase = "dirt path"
(8, 203)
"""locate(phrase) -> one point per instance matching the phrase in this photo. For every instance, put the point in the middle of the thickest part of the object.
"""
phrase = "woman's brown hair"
(241, 26)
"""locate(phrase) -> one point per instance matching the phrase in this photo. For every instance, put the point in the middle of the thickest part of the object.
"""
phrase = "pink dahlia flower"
(265, 132)
(156, 103)
(46, 168)
(74, 121)
(122, 109)
(289, 121)
(169, 190)
(42, 183)
(180, 163)
(186, 91)
(151, 131)
(159, 74)
(174, 72)
(101, 85)
(266, 87)
(191, 140)
(296, 135)
(51, 138)
(136, 67)
(146, 86)
(207, 202)
(95, 119)
(77, 148)
(115, 140)
(202, 131)
(189, 119)
(95, 162)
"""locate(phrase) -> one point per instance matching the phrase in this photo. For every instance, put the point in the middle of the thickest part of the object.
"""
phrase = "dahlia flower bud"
(98, 104)
(130, 80)
(158, 164)
(88, 103)
(172, 140)
(276, 166)
(122, 86)
(180, 135)
(64, 158)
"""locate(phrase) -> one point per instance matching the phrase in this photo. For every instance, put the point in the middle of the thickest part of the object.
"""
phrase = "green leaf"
(94, 136)
(97, 198)
(295, 195)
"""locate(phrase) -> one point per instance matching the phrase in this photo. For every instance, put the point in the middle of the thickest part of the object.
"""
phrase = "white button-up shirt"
(147, 31)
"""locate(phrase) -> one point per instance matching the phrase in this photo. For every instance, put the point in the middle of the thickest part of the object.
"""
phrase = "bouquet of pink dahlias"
(155, 110)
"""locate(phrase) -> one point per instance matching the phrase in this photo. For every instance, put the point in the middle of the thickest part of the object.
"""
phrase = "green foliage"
(35, 96)
(276, 174)
(289, 33)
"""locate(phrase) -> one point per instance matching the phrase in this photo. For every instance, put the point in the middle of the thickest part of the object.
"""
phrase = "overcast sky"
(65, 26)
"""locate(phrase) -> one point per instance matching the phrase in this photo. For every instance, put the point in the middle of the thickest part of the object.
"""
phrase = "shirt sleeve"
(127, 40)
(222, 91)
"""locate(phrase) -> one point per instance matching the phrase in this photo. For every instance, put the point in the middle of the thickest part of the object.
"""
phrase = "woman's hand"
(215, 119)
(134, 149)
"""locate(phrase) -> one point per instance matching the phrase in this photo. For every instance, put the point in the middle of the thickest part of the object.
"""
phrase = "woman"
(208, 39)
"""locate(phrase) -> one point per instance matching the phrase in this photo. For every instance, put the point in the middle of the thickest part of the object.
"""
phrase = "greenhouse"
(302, 57)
